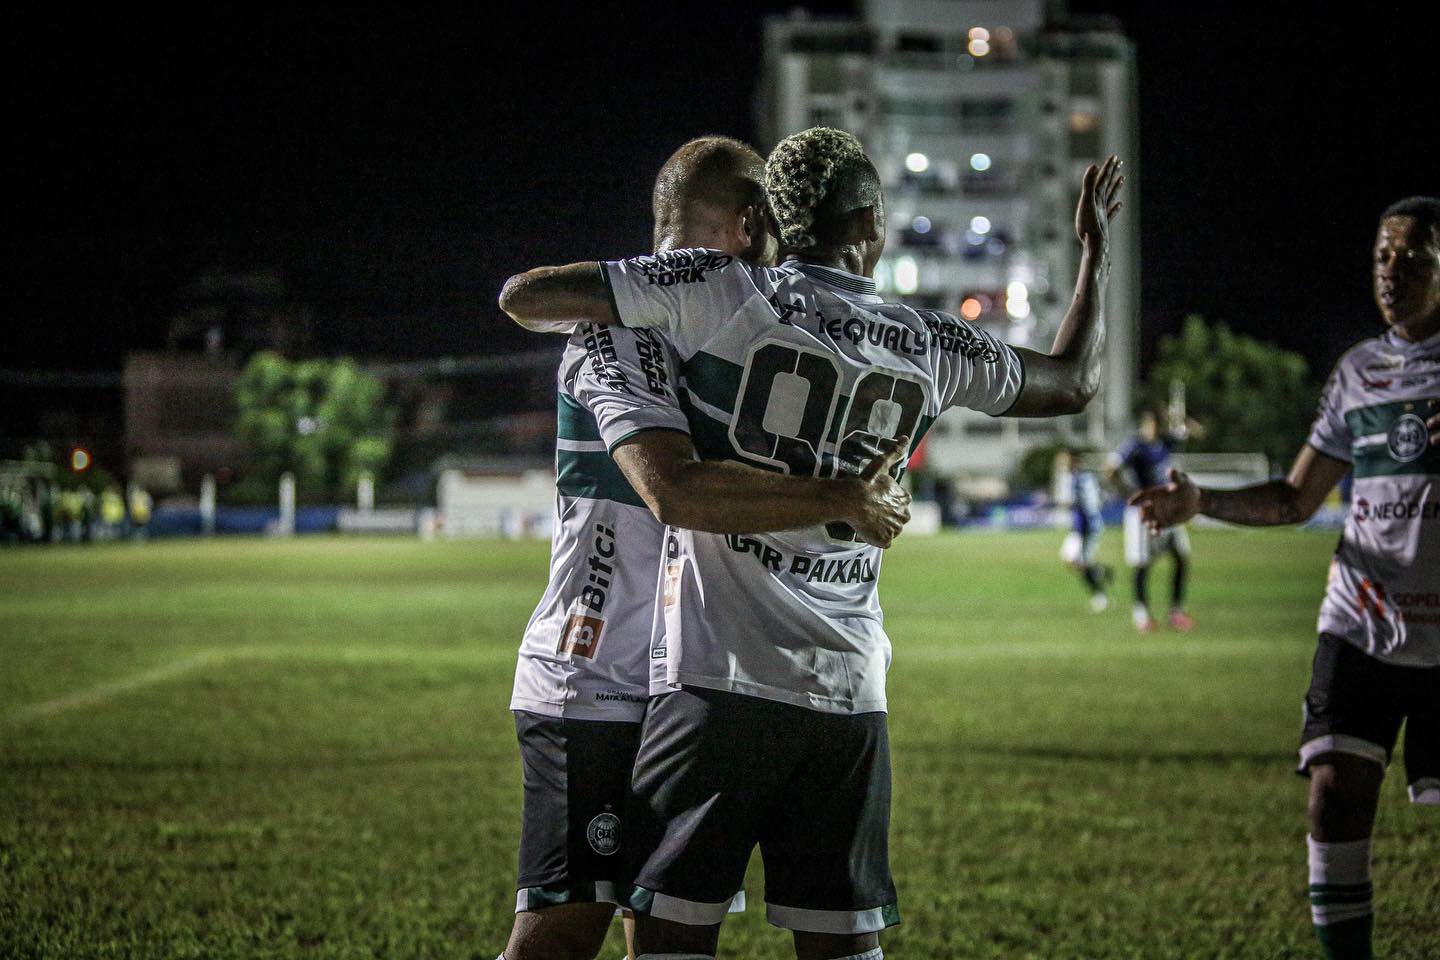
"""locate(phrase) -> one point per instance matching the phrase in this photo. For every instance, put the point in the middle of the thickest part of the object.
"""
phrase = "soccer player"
(771, 724)
(1081, 549)
(1142, 462)
(581, 681)
(1378, 659)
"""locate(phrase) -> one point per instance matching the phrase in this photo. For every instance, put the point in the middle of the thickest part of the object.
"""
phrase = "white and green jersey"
(800, 369)
(1384, 589)
(586, 650)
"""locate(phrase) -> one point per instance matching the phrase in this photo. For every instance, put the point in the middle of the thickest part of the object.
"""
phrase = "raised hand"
(1099, 201)
(1167, 504)
(883, 506)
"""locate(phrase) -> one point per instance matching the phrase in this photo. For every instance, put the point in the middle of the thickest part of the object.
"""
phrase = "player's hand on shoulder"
(1167, 504)
(1099, 201)
(882, 505)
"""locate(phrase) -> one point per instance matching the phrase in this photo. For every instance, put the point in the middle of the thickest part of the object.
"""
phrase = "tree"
(323, 420)
(1249, 396)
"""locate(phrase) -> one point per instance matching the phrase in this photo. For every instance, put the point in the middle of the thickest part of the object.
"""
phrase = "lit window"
(917, 163)
(920, 224)
(978, 47)
(1019, 309)
(907, 275)
(970, 309)
(1017, 291)
(79, 460)
(980, 225)
(1082, 121)
(980, 162)
(979, 33)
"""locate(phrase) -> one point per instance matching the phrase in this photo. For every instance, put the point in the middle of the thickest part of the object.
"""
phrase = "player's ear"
(751, 225)
(865, 226)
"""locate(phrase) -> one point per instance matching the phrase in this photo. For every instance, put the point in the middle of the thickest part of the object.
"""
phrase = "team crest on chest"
(1408, 438)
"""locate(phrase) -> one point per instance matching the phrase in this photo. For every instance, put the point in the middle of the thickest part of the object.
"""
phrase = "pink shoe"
(1182, 621)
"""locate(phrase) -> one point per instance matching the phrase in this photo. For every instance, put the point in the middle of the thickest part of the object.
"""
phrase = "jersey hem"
(572, 710)
(780, 695)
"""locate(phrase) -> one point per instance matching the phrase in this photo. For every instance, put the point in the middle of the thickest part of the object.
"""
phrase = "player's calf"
(567, 931)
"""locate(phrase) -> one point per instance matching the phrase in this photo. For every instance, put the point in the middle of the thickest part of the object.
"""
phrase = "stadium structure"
(981, 115)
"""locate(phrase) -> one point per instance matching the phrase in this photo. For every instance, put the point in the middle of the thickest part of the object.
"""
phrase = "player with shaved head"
(624, 463)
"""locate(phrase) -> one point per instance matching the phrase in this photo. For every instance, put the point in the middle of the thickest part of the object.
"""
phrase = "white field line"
(91, 696)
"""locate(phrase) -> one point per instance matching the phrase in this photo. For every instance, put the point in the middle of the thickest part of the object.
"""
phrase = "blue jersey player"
(1081, 550)
(1141, 462)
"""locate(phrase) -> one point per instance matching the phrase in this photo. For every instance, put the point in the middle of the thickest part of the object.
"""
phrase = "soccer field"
(302, 749)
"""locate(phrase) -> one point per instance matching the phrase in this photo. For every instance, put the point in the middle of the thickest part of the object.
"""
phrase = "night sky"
(399, 167)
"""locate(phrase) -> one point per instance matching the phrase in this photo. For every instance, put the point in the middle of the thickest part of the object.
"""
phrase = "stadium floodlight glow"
(1017, 292)
(971, 309)
(979, 33)
(917, 163)
(1018, 309)
(980, 162)
(80, 460)
(978, 47)
(907, 275)
(920, 224)
(980, 225)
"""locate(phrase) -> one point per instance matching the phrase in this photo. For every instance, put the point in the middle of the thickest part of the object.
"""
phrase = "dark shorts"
(576, 775)
(718, 773)
(1356, 705)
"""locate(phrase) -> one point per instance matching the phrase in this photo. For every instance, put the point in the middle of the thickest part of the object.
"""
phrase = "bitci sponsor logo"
(581, 636)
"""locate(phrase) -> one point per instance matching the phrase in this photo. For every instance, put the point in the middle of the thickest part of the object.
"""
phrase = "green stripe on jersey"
(594, 476)
(713, 379)
(1401, 444)
(573, 421)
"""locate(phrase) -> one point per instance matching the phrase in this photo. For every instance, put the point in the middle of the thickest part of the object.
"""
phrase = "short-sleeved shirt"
(585, 653)
(1383, 593)
(800, 369)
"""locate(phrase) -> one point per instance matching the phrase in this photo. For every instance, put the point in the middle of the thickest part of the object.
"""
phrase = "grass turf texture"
(249, 748)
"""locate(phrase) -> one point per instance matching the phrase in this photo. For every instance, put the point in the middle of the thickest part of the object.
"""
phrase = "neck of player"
(851, 258)
(1418, 329)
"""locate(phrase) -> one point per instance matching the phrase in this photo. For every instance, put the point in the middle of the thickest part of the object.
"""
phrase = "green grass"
(256, 749)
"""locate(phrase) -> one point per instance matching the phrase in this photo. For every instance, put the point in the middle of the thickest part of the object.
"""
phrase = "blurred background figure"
(1080, 490)
(1141, 462)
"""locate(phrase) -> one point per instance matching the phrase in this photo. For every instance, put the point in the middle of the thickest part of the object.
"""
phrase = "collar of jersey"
(839, 279)
(1405, 346)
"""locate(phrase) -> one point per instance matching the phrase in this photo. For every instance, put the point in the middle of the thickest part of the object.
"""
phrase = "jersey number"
(786, 409)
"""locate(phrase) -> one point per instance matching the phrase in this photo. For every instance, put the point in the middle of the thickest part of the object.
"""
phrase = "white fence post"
(207, 504)
(287, 505)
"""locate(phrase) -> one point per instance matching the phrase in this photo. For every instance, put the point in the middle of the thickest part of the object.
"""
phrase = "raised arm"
(1273, 503)
(1066, 379)
(554, 299)
(718, 496)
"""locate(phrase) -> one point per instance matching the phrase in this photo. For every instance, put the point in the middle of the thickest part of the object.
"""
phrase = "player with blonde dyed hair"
(812, 178)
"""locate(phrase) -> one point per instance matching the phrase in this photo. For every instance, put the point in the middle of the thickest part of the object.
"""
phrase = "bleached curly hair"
(804, 176)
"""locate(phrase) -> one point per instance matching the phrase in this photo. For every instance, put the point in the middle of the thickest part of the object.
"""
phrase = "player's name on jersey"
(811, 569)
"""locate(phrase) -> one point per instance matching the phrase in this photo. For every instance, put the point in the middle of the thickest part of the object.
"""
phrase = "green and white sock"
(1341, 898)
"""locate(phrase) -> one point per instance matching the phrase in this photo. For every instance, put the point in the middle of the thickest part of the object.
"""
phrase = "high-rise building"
(981, 116)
